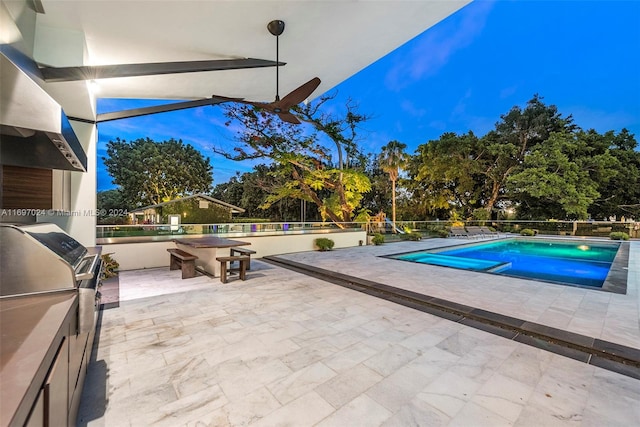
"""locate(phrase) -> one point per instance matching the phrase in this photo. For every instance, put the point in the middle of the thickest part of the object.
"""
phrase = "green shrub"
(411, 236)
(481, 215)
(618, 235)
(442, 233)
(110, 268)
(324, 244)
(249, 220)
(527, 232)
(377, 239)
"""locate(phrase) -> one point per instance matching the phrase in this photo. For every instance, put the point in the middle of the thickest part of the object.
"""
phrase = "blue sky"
(460, 75)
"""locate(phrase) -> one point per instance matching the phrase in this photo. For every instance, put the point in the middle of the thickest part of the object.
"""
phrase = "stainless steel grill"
(37, 258)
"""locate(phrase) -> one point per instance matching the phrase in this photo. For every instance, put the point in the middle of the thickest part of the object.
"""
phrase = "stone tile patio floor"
(283, 348)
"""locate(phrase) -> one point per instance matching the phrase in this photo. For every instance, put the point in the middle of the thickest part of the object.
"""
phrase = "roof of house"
(234, 209)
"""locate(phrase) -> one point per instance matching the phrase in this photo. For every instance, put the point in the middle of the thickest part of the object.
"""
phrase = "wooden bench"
(183, 260)
(243, 251)
(225, 266)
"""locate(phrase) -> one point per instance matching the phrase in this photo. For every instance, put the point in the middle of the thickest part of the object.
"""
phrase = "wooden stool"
(227, 260)
(243, 251)
(184, 261)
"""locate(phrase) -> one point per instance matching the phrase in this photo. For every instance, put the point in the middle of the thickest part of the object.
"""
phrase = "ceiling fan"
(282, 106)
(279, 106)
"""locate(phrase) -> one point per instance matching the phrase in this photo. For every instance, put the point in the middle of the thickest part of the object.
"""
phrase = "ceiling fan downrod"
(276, 27)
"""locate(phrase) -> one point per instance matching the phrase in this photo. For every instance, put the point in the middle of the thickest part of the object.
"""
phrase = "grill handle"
(89, 273)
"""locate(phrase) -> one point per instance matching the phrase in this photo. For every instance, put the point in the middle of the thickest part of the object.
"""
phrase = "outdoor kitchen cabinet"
(80, 344)
(51, 407)
(58, 400)
(38, 370)
(36, 419)
(34, 189)
(56, 395)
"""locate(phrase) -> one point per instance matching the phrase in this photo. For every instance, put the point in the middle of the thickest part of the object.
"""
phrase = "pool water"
(583, 263)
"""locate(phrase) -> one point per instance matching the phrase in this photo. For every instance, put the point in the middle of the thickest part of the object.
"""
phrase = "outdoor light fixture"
(94, 87)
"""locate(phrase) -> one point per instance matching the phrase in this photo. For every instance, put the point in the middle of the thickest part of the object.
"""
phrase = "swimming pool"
(581, 263)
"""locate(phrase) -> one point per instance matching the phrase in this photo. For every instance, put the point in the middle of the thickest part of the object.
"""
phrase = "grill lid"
(63, 245)
(40, 258)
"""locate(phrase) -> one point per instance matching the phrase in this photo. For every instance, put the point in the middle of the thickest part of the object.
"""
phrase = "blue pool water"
(582, 263)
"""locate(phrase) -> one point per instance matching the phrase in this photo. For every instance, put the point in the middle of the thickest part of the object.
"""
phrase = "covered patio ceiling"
(331, 40)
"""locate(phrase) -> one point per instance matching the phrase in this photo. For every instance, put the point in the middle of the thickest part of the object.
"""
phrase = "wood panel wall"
(25, 188)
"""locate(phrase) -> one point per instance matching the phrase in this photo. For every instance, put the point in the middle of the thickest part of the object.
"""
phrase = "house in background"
(195, 209)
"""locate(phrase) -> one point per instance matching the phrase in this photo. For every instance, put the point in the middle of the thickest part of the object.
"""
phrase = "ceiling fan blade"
(174, 106)
(272, 108)
(67, 74)
(288, 117)
(256, 104)
(227, 99)
(298, 95)
(281, 107)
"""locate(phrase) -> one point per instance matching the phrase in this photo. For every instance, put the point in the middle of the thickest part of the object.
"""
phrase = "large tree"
(562, 175)
(536, 160)
(392, 159)
(620, 195)
(379, 198)
(519, 131)
(444, 175)
(468, 173)
(112, 206)
(249, 191)
(150, 172)
(315, 159)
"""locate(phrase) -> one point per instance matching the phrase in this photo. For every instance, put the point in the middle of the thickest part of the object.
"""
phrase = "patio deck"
(284, 348)
(604, 315)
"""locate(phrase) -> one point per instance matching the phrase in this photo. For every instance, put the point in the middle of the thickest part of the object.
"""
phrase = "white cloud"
(436, 46)
(507, 92)
(411, 109)
(461, 106)
(438, 125)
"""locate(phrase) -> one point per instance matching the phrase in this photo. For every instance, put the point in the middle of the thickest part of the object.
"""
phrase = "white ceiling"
(329, 39)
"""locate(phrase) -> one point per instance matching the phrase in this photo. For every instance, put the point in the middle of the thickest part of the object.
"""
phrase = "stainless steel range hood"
(34, 131)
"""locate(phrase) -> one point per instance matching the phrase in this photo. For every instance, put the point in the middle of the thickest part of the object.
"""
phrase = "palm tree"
(391, 160)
